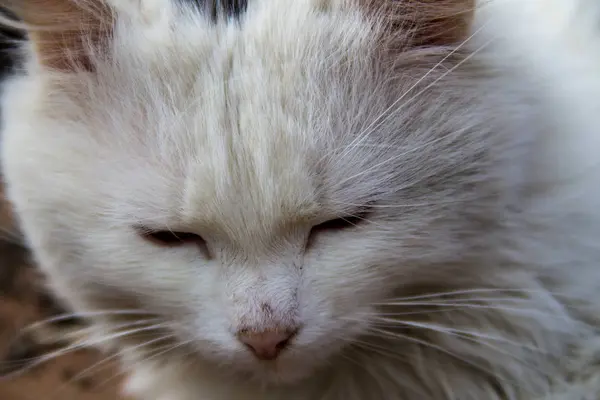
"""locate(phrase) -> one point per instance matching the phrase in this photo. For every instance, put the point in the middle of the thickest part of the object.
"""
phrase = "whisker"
(381, 350)
(459, 300)
(409, 205)
(424, 343)
(10, 236)
(75, 333)
(77, 346)
(390, 115)
(462, 332)
(476, 337)
(376, 122)
(66, 317)
(396, 335)
(482, 290)
(521, 311)
(120, 371)
(419, 312)
(155, 353)
(365, 347)
(94, 367)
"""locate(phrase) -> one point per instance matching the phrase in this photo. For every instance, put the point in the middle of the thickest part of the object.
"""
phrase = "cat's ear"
(423, 22)
(65, 34)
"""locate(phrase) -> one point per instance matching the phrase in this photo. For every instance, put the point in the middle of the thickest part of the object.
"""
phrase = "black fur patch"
(220, 9)
(10, 43)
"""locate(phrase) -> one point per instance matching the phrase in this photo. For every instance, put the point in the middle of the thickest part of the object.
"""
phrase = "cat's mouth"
(301, 358)
(297, 361)
(285, 370)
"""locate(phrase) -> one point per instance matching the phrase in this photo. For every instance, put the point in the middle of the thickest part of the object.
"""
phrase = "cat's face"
(269, 149)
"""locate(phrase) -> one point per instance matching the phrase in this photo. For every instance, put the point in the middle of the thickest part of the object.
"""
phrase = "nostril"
(266, 345)
(283, 344)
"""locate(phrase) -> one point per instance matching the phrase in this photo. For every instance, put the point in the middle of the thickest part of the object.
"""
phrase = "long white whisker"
(110, 358)
(10, 236)
(442, 76)
(365, 133)
(396, 156)
(121, 371)
(410, 205)
(77, 333)
(77, 346)
(396, 335)
(478, 290)
(522, 311)
(442, 329)
(153, 354)
(436, 347)
(463, 300)
(65, 317)
(390, 115)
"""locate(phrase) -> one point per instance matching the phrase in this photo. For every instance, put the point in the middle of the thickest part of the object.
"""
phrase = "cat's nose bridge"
(264, 311)
(266, 308)
(265, 297)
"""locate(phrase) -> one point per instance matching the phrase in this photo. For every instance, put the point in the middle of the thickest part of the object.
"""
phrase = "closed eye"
(339, 224)
(343, 223)
(170, 238)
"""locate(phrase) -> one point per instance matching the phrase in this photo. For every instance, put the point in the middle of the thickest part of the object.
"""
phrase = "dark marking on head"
(10, 42)
(220, 9)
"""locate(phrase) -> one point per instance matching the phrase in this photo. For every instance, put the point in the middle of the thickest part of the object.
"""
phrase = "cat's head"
(259, 179)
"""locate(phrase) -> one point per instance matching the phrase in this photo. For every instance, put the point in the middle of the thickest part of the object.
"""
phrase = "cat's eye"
(338, 224)
(171, 238)
(343, 223)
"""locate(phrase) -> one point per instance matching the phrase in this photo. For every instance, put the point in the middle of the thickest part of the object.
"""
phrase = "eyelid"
(346, 221)
(167, 237)
(361, 212)
(341, 223)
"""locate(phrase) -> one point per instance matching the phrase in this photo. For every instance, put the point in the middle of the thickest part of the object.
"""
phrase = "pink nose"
(266, 345)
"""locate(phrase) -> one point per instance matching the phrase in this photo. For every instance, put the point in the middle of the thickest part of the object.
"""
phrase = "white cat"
(319, 199)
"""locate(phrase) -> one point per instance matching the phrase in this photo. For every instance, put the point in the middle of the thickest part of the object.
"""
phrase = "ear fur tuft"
(423, 22)
(64, 32)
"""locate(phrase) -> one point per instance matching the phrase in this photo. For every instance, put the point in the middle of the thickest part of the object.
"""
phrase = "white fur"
(484, 180)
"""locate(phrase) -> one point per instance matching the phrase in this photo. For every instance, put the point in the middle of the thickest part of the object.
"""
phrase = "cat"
(318, 199)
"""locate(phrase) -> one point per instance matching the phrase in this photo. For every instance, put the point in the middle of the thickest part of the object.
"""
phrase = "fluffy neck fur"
(478, 278)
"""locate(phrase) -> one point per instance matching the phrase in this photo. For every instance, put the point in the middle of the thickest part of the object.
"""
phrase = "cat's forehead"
(257, 146)
(248, 113)
(275, 117)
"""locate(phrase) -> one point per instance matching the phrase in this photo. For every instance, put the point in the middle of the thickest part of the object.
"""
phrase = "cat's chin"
(286, 370)
(278, 374)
